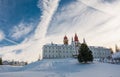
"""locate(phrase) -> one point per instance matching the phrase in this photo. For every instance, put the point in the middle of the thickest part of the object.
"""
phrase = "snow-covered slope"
(64, 68)
(8, 68)
(51, 65)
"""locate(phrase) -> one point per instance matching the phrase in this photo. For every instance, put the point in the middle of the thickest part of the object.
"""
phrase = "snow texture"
(62, 68)
(116, 55)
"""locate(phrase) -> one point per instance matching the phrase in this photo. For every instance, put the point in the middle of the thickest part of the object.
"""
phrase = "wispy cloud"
(20, 30)
(93, 20)
(48, 9)
(11, 41)
(1, 35)
(109, 6)
(76, 15)
(34, 45)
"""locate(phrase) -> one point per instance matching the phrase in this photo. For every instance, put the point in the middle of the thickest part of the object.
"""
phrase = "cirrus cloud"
(1, 35)
(21, 30)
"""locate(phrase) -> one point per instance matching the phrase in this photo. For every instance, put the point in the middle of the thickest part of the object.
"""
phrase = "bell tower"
(76, 40)
(65, 40)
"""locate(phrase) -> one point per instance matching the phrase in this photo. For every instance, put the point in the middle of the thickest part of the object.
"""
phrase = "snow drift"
(63, 68)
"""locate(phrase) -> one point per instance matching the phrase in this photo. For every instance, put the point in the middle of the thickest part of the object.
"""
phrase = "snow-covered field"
(61, 68)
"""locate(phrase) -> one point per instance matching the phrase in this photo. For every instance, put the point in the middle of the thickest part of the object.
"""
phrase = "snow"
(116, 55)
(8, 68)
(62, 68)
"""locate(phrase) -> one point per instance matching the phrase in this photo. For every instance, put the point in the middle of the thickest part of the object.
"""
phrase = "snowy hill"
(62, 68)
(51, 65)
(8, 68)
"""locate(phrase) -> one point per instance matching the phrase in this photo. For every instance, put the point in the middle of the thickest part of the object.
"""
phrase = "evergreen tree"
(0, 61)
(111, 51)
(85, 54)
(26, 63)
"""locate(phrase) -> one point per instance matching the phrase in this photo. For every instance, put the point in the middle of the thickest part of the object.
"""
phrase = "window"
(66, 51)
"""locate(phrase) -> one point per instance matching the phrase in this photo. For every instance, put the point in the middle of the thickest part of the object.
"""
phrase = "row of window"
(51, 47)
(101, 52)
(57, 51)
(57, 56)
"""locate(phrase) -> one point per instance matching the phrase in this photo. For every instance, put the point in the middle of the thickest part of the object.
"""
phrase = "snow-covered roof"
(52, 44)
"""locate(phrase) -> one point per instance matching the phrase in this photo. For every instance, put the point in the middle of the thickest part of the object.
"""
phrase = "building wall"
(100, 52)
(58, 51)
(52, 51)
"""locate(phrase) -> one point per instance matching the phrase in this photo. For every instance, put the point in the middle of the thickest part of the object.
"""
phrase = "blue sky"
(33, 23)
(26, 12)
(13, 13)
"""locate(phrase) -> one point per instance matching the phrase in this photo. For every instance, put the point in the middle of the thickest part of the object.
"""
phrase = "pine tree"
(26, 63)
(0, 61)
(111, 51)
(85, 54)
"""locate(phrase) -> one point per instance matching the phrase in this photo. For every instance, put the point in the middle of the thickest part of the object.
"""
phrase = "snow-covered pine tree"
(85, 54)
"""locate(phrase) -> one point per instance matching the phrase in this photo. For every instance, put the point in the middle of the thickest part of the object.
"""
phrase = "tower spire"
(116, 48)
(72, 42)
(65, 40)
(84, 41)
(72, 39)
(76, 38)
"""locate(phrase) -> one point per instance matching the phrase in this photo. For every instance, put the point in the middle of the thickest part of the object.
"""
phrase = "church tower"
(76, 40)
(65, 40)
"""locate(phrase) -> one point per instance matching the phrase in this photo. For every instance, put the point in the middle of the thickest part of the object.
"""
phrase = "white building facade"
(58, 51)
(61, 50)
(100, 52)
(54, 51)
